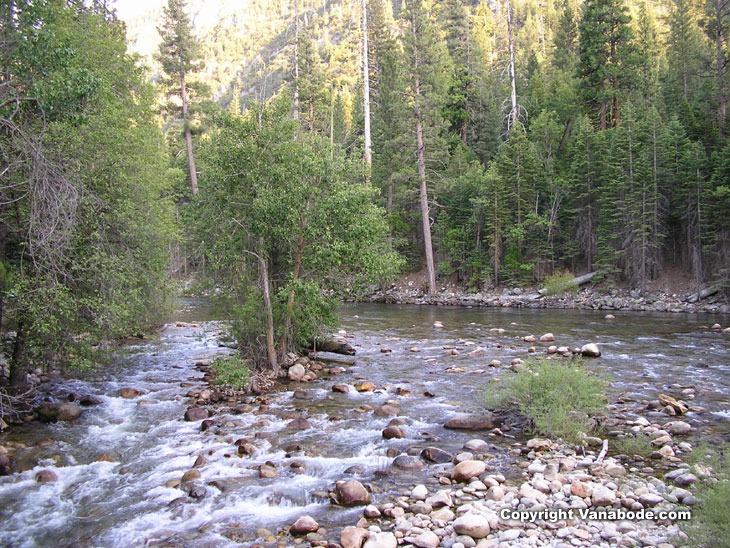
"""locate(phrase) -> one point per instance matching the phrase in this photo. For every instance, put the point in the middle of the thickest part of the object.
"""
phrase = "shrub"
(710, 524)
(638, 445)
(557, 399)
(559, 284)
(231, 370)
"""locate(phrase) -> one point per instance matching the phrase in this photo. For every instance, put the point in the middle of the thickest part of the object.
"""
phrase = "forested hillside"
(555, 135)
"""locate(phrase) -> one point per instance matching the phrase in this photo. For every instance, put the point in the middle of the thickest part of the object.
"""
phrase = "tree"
(179, 54)
(366, 86)
(607, 57)
(285, 228)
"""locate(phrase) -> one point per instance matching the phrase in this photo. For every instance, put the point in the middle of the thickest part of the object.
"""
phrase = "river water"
(127, 503)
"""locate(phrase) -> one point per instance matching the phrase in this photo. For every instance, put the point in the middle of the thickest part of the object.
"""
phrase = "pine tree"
(179, 55)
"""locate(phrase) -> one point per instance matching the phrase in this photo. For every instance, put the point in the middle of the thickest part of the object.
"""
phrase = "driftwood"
(702, 294)
(336, 347)
(580, 280)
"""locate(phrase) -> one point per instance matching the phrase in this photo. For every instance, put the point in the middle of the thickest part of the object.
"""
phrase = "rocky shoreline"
(585, 299)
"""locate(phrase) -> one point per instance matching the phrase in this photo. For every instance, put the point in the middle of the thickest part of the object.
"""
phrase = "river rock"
(530, 339)
(46, 476)
(427, 539)
(366, 386)
(669, 401)
(602, 496)
(342, 388)
(268, 471)
(381, 540)
(386, 411)
(472, 525)
(434, 454)
(352, 493)
(685, 479)
(300, 423)
(304, 525)
(477, 446)
(353, 537)
(52, 412)
(581, 489)
(408, 462)
(89, 400)
(468, 469)
(296, 372)
(371, 512)
(393, 432)
(471, 422)
(678, 428)
(650, 499)
(190, 475)
(441, 498)
(4, 462)
(419, 492)
(590, 350)
(539, 444)
(68, 411)
(547, 337)
(129, 393)
(193, 414)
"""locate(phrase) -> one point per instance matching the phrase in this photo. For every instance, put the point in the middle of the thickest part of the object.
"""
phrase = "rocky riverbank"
(585, 299)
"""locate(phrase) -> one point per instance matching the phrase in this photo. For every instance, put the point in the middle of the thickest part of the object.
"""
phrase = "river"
(129, 502)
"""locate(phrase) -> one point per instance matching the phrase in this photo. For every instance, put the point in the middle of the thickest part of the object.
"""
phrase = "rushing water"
(127, 502)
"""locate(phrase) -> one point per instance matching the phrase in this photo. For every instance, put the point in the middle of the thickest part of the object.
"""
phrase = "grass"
(557, 399)
(638, 445)
(559, 284)
(232, 371)
(710, 523)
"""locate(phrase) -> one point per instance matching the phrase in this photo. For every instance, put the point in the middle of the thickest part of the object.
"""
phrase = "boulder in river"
(366, 386)
(89, 400)
(468, 469)
(393, 432)
(128, 393)
(547, 337)
(297, 372)
(52, 412)
(300, 423)
(351, 493)
(434, 454)
(46, 476)
(678, 428)
(471, 422)
(408, 462)
(4, 462)
(304, 525)
(669, 401)
(193, 414)
(590, 350)
(353, 537)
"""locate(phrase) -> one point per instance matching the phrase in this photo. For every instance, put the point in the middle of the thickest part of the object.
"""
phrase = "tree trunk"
(514, 113)
(19, 360)
(290, 301)
(264, 273)
(366, 86)
(296, 61)
(188, 136)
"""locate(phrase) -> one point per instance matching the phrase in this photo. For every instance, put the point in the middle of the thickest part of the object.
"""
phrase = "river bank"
(585, 299)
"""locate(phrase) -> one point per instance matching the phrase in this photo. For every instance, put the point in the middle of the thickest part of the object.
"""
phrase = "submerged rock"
(129, 393)
(471, 422)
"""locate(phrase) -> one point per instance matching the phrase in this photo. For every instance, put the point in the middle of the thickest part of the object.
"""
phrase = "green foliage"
(710, 523)
(638, 445)
(560, 283)
(231, 371)
(557, 399)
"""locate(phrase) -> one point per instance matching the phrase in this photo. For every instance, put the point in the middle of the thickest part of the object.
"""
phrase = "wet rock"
(669, 401)
(89, 400)
(393, 432)
(471, 422)
(472, 525)
(366, 386)
(353, 537)
(342, 388)
(193, 414)
(207, 424)
(650, 499)
(355, 470)
(197, 492)
(547, 337)
(46, 476)
(106, 457)
(381, 540)
(351, 493)
(296, 372)
(529, 339)
(434, 454)
(419, 492)
(495, 363)
(590, 350)
(190, 475)
(477, 446)
(68, 411)
(200, 461)
(371, 512)
(129, 393)
(52, 412)
(386, 411)
(304, 525)
(300, 423)
(4, 462)
(408, 462)
(468, 469)
(268, 471)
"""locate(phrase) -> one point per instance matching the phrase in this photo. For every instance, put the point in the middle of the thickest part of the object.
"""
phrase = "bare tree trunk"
(188, 136)
(366, 86)
(514, 113)
(19, 360)
(421, 158)
(264, 273)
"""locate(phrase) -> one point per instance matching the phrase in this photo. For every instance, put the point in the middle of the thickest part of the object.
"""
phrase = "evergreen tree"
(179, 56)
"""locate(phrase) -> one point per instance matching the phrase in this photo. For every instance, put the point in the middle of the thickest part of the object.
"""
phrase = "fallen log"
(336, 347)
(702, 294)
(580, 280)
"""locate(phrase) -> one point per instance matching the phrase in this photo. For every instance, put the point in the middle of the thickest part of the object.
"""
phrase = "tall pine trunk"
(514, 113)
(188, 135)
(366, 86)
